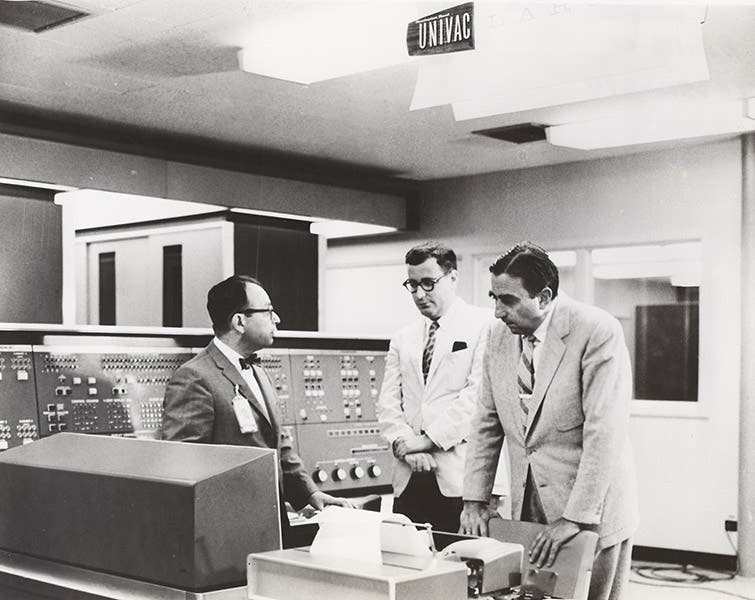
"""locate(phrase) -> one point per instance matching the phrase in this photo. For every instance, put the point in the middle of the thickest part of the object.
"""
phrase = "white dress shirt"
(246, 374)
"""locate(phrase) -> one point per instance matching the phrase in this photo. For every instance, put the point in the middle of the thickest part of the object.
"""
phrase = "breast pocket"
(455, 368)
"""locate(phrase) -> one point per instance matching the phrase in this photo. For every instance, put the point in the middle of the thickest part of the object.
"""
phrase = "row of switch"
(64, 390)
(26, 429)
(340, 474)
(76, 380)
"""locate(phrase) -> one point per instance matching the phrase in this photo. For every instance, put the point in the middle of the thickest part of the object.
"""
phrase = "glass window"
(654, 292)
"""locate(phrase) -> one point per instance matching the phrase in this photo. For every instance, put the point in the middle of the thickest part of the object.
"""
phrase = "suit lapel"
(416, 343)
(552, 353)
(231, 373)
(443, 340)
(509, 351)
(270, 397)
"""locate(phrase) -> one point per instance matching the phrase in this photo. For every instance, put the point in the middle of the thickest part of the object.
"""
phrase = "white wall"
(686, 456)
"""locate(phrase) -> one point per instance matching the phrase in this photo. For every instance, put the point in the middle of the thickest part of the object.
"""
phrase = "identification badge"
(244, 414)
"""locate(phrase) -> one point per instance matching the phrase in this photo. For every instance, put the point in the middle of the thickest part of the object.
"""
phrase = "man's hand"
(411, 444)
(420, 462)
(320, 500)
(548, 542)
(474, 518)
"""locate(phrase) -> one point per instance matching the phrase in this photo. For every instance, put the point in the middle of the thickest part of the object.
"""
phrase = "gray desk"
(26, 578)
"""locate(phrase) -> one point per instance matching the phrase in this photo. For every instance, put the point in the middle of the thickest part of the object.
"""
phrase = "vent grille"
(516, 134)
(37, 16)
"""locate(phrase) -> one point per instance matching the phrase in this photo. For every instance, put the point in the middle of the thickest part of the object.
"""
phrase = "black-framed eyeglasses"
(426, 283)
(250, 311)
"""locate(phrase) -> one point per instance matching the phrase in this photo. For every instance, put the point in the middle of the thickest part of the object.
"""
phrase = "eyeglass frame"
(409, 289)
(248, 312)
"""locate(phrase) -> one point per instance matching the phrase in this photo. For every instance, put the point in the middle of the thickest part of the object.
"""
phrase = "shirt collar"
(228, 352)
(542, 331)
(451, 309)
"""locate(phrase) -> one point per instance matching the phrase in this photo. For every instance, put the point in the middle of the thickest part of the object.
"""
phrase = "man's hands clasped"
(415, 451)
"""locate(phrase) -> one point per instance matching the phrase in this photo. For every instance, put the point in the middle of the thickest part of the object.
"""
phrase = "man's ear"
(237, 322)
(545, 296)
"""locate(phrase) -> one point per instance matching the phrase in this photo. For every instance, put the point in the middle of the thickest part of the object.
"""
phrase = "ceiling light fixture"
(326, 41)
(654, 124)
(341, 229)
(564, 55)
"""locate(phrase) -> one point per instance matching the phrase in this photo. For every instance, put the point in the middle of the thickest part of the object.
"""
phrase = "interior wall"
(30, 262)
(92, 168)
(687, 459)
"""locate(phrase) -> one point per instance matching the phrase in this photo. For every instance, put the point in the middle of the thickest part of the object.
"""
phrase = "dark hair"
(227, 298)
(443, 254)
(529, 262)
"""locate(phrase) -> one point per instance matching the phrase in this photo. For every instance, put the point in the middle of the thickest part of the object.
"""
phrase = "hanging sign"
(450, 30)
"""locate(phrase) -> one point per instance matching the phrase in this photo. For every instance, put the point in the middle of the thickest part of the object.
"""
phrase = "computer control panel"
(19, 422)
(108, 390)
(326, 398)
(336, 387)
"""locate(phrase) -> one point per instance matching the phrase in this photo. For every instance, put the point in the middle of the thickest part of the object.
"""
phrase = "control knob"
(357, 472)
(320, 476)
(374, 471)
(339, 474)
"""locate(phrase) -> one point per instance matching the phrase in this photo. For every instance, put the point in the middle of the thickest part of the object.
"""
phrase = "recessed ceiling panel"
(37, 16)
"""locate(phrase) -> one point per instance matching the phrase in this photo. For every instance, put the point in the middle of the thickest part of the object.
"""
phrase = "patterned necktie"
(525, 371)
(427, 354)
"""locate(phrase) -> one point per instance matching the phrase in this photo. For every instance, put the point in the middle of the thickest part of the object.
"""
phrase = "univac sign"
(450, 30)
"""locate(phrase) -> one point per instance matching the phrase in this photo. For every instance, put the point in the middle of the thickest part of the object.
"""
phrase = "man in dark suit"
(223, 396)
(557, 384)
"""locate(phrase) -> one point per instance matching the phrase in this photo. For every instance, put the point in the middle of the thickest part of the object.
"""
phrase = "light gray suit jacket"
(198, 408)
(443, 406)
(575, 436)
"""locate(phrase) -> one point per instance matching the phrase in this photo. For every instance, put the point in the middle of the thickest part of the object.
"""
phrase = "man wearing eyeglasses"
(223, 395)
(429, 390)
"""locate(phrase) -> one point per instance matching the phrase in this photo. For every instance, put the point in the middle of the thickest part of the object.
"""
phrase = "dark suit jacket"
(198, 408)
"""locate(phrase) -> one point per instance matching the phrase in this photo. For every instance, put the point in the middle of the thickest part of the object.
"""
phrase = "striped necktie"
(427, 354)
(525, 372)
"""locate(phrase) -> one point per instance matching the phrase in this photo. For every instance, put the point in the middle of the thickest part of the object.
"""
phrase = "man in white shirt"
(429, 390)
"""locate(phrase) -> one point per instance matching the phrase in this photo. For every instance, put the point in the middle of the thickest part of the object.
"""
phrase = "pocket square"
(459, 346)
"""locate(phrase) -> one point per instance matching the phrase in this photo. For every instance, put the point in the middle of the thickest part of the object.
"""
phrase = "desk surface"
(27, 578)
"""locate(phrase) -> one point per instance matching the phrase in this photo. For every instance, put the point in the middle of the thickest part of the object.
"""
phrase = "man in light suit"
(223, 395)
(429, 390)
(563, 406)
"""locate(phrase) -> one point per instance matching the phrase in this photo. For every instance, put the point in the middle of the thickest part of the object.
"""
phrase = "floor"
(641, 588)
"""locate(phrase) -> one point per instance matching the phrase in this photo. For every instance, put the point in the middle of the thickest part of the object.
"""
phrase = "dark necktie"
(427, 354)
(246, 363)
